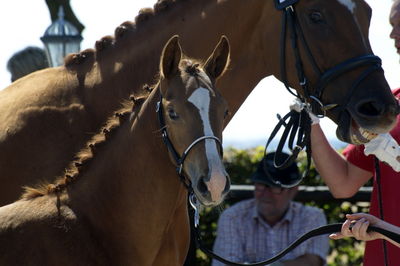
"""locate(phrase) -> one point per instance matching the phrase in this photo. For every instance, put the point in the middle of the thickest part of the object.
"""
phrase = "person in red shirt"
(344, 175)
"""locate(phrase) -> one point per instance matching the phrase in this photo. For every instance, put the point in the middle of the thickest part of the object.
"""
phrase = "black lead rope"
(323, 230)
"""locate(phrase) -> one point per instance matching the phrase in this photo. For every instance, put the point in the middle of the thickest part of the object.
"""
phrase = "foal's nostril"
(227, 185)
(370, 108)
(201, 186)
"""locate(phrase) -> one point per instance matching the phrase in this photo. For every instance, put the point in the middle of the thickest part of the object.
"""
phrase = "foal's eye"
(172, 114)
(316, 17)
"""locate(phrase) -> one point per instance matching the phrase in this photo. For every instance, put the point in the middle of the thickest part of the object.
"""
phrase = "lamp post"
(61, 38)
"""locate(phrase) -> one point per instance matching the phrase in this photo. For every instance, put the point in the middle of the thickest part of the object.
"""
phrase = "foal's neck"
(131, 183)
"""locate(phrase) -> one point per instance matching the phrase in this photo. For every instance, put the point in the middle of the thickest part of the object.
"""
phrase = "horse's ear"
(170, 57)
(219, 59)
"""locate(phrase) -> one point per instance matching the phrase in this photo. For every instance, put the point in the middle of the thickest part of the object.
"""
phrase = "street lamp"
(60, 39)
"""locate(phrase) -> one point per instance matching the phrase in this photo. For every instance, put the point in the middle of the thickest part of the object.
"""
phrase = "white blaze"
(349, 4)
(200, 98)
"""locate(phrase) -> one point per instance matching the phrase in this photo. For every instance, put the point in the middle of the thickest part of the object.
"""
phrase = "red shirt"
(390, 187)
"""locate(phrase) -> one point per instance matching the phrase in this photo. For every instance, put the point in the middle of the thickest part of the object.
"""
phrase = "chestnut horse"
(49, 115)
(121, 202)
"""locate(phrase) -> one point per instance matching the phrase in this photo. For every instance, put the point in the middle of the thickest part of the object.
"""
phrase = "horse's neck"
(131, 183)
(133, 60)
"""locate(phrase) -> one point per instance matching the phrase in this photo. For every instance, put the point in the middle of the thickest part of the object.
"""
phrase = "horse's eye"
(227, 113)
(316, 17)
(172, 114)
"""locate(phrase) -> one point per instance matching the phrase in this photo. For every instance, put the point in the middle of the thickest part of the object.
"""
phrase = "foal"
(121, 202)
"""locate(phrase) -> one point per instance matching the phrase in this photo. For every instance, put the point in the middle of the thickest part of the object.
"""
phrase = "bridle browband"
(180, 159)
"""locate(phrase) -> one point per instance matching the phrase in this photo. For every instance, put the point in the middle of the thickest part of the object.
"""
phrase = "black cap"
(269, 175)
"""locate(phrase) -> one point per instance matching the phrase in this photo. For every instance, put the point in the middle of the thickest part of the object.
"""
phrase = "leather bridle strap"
(345, 66)
(290, 22)
(180, 159)
(313, 99)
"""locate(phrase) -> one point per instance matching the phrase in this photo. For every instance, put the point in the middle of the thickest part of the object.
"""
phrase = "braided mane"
(86, 154)
(121, 33)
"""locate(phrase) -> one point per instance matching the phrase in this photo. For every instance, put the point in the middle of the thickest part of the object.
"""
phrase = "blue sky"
(255, 119)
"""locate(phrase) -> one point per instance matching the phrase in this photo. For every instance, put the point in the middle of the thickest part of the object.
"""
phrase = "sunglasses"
(274, 190)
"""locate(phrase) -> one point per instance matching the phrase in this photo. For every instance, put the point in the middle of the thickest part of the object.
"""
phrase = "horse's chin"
(208, 202)
(353, 133)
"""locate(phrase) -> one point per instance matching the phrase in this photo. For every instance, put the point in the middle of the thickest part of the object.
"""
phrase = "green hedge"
(240, 164)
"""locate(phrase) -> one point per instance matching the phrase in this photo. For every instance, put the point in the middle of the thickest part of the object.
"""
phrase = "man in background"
(257, 229)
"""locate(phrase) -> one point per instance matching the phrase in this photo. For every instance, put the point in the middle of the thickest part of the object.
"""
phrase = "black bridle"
(299, 123)
(180, 159)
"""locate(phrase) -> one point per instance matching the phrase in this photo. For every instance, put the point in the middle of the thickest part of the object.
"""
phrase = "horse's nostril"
(370, 108)
(227, 185)
(201, 185)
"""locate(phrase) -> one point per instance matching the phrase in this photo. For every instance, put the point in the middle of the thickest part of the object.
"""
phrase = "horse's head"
(342, 74)
(194, 113)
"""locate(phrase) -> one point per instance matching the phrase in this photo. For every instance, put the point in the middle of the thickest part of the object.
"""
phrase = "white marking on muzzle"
(200, 98)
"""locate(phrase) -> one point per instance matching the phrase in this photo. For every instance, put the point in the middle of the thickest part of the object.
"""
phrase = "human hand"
(314, 118)
(356, 226)
(298, 106)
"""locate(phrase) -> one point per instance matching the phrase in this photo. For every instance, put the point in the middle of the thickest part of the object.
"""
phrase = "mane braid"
(120, 34)
(86, 155)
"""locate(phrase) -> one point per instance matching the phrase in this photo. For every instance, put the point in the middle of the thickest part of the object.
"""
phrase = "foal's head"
(194, 113)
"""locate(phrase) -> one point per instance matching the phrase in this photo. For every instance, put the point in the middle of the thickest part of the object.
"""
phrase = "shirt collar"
(288, 217)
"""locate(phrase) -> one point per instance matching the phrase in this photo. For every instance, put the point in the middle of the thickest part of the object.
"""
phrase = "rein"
(327, 229)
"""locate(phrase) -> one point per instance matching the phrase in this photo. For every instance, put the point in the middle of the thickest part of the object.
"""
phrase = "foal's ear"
(170, 58)
(219, 59)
